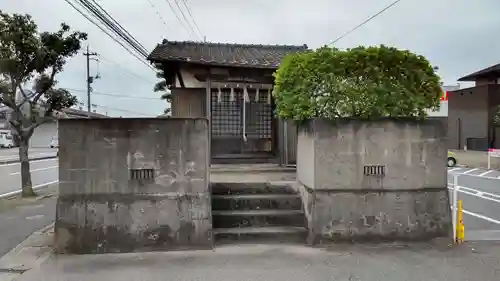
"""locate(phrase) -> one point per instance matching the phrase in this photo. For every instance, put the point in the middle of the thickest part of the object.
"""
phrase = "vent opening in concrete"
(142, 174)
(374, 170)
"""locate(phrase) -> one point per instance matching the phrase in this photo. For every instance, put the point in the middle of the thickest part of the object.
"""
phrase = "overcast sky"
(458, 36)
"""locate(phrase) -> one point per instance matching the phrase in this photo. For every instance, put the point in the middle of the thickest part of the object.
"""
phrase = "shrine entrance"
(242, 123)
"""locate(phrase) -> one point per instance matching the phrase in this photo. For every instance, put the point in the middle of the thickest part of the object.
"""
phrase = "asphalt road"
(42, 172)
(11, 154)
(479, 190)
(18, 222)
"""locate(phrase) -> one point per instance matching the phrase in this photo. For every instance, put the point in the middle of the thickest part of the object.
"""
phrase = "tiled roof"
(81, 113)
(221, 54)
(495, 69)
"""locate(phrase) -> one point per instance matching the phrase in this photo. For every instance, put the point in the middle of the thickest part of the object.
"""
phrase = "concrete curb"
(4, 162)
(29, 254)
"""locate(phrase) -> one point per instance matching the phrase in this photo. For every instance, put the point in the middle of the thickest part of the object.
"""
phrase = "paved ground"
(475, 261)
(19, 219)
(42, 172)
(18, 222)
(12, 154)
(479, 189)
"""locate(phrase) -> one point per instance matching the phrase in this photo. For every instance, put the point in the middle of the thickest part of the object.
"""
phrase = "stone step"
(257, 218)
(274, 234)
(278, 187)
(256, 202)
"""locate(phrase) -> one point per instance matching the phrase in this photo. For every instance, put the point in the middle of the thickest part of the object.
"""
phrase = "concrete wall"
(408, 202)
(133, 185)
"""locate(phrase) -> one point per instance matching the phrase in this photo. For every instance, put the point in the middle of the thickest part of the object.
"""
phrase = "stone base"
(114, 223)
(387, 216)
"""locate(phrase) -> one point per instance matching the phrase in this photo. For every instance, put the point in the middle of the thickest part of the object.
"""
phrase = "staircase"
(257, 212)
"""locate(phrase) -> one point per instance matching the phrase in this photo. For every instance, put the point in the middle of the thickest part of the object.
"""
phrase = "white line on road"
(9, 156)
(454, 169)
(35, 170)
(477, 176)
(35, 217)
(481, 217)
(485, 173)
(470, 171)
(12, 193)
(477, 193)
(35, 161)
(16, 156)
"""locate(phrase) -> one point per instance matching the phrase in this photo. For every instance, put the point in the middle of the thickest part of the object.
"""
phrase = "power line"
(116, 109)
(365, 22)
(107, 33)
(184, 16)
(131, 73)
(159, 15)
(114, 95)
(114, 26)
(179, 19)
(192, 17)
(116, 23)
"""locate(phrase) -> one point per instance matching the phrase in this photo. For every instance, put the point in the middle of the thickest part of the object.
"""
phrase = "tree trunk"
(26, 184)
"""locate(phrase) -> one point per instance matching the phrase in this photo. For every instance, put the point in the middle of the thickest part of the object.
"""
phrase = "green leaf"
(364, 82)
(26, 55)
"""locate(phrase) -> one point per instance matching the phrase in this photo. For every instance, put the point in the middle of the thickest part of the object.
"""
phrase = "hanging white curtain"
(257, 98)
(246, 98)
(231, 95)
(269, 96)
(219, 95)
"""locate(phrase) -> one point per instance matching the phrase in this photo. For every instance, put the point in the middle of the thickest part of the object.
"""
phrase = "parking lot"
(479, 190)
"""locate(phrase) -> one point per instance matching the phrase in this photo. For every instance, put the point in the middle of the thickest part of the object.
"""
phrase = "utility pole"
(90, 79)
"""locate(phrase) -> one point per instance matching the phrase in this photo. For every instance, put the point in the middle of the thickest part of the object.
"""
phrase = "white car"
(6, 140)
(54, 143)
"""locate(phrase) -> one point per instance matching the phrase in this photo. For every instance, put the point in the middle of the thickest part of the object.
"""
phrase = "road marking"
(12, 193)
(9, 156)
(35, 217)
(35, 161)
(481, 217)
(470, 171)
(485, 173)
(477, 176)
(454, 169)
(35, 170)
(477, 193)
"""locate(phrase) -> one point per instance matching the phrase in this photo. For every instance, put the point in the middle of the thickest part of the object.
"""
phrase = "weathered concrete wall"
(408, 201)
(133, 185)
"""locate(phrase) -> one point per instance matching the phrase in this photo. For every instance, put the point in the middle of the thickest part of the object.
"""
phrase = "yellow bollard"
(460, 224)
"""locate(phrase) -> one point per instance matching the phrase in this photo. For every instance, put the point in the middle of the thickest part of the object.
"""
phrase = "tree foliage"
(162, 86)
(496, 115)
(363, 82)
(27, 56)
